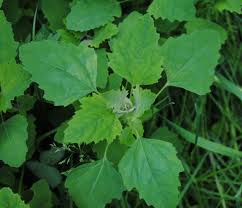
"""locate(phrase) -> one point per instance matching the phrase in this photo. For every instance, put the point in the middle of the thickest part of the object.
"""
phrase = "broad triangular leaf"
(136, 51)
(190, 60)
(8, 199)
(13, 136)
(8, 46)
(89, 14)
(99, 183)
(64, 71)
(203, 24)
(42, 195)
(152, 167)
(13, 81)
(94, 122)
(173, 9)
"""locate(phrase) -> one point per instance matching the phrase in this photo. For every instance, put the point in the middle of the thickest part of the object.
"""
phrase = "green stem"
(161, 90)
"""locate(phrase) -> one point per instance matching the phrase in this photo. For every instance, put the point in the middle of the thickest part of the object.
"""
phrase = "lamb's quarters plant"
(94, 95)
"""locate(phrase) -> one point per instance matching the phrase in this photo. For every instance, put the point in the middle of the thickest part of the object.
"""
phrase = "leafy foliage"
(160, 168)
(99, 181)
(90, 14)
(142, 67)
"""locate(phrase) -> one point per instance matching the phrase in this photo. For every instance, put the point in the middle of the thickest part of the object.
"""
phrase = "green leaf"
(12, 10)
(127, 136)
(1, 1)
(205, 143)
(202, 24)
(229, 5)
(43, 171)
(32, 136)
(98, 181)
(190, 60)
(102, 68)
(42, 195)
(13, 81)
(224, 83)
(13, 136)
(55, 11)
(89, 14)
(52, 156)
(64, 71)
(104, 33)
(8, 199)
(151, 166)
(136, 52)
(172, 9)
(93, 123)
(8, 46)
(143, 99)
(114, 81)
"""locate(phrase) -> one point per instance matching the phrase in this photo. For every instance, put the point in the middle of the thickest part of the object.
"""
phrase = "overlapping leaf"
(230, 5)
(173, 9)
(8, 46)
(13, 81)
(94, 122)
(102, 68)
(90, 14)
(151, 166)
(99, 182)
(8, 199)
(13, 136)
(190, 60)
(64, 71)
(135, 50)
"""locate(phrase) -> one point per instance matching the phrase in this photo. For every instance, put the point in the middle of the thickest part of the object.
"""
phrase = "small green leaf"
(93, 123)
(152, 167)
(229, 5)
(55, 16)
(172, 9)
(89, 14)
(206, 143)
(127, 136)
(52, 156)
(114, 81)
(64, 71)
(190, 60)
(143, 99)
(13, 81)
(13, 136)
(104, 33)
(102, 68)
(43, 171)
(203, 24)
(8, 199)
(135, 50)
(8, 46)
(99, 183)
(42, 195)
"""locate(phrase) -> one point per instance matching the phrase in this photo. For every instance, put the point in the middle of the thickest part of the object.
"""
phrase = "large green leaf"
(64, 71)
(172, 9)
(55, 11)
(8, 199)
(136, 51)
(230, 5)
(89, 14)
(94, 122)
(94, 184)
(203, 24)
(152, 167)
(42, 195)
(8, 46)
(13, 81)
(13, 136)
(190, 60)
